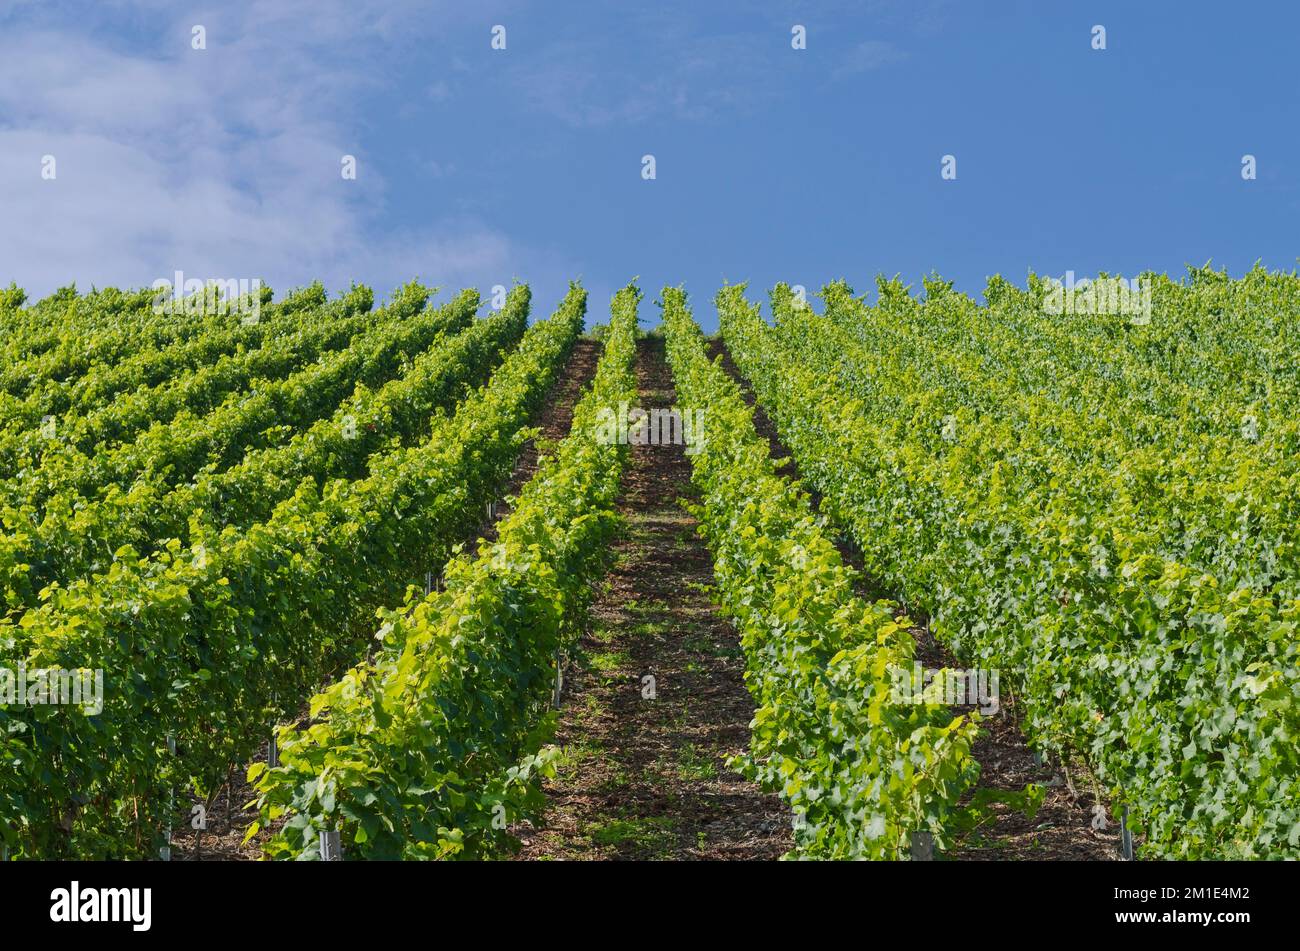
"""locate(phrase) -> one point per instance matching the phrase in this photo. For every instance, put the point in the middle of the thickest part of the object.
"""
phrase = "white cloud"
(223, 162)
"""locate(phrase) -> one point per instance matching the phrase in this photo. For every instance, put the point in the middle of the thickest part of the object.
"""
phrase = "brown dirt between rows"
(1062, 828)
(647, 778)
(227, 822)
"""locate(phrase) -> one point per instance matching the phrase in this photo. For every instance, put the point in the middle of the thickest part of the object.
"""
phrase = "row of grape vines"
(1105, 509)
(861, 772)
(25, 446)
(1102, 509)
(431, 748)
(107, 346)
(208, 639)
(243, 457)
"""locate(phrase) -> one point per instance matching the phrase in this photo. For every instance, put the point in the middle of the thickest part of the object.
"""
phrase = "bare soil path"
(644, 773)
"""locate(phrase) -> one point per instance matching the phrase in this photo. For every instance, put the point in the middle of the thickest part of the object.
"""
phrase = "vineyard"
(424, 578)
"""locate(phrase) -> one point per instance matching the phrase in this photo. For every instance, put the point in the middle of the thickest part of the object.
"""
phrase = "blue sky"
(477, 166)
